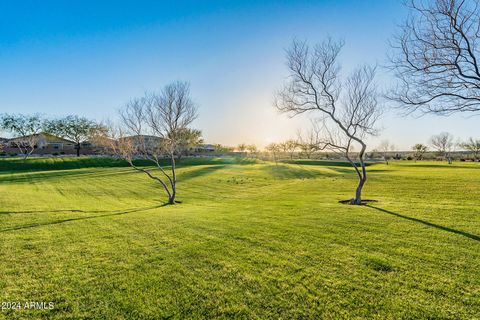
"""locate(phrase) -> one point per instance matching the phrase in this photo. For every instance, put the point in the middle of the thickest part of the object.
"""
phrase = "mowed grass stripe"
(253, 240)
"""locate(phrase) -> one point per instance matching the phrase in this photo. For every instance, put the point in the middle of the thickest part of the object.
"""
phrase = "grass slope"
(250, 240)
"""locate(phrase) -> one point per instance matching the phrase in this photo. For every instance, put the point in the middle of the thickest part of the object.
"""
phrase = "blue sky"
(90, 57)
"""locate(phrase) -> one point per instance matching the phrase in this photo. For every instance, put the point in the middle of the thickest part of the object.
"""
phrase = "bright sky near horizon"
(90, 57)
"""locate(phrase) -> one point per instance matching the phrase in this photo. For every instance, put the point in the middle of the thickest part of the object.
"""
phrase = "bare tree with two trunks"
(346, 109)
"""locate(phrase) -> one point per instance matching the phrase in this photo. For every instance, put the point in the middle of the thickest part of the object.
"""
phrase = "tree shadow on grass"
(430, 224)
(29, 177)
(325, 163)
(183, 176)
(109, 214)
(283, 171)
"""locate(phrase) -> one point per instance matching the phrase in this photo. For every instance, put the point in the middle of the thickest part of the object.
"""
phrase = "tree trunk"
(171, 199)
(78, 149)
(358, 192)
(362, 177)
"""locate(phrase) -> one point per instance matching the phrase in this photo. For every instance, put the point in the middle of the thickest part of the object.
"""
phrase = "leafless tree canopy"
(348, 107)
(435, 57)
(308, 142)
(154, 127)
(289, 147)
(385, 147)
(472, 145)
(274, 149)
(444, 144)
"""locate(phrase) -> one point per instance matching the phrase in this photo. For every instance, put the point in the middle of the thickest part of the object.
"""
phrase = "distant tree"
(242, 147)
(436, 57)
(187, 139)
(152, 128)
(252, 149)
(472, 145)
(289, 147)
(349, 109)
(274, 149)
(308, 143)
(25, 128)
(385, 147)
(72, 127)
(222, 148)
(418, 151)
(444, 144)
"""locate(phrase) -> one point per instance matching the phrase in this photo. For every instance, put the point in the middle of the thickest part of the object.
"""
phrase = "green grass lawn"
(249, 240)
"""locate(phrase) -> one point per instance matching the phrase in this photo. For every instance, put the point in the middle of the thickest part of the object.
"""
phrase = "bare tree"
(349, 109)
(444, 144)
(26, 128)
(419, 150)
(152, 128)
(307, 142)
(252, 150)
(289, 147)
(274, 149)
(472, 145)
(385, 147)
(435, 57)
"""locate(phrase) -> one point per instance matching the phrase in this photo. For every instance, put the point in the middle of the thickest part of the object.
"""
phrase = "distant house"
(204, 148)
(144, 140)
(44, 141)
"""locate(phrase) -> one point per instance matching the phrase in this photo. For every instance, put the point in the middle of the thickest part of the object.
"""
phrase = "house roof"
(49, 138)
(144, 136)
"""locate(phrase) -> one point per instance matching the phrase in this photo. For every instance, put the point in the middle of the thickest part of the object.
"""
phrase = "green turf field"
(249, 240)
